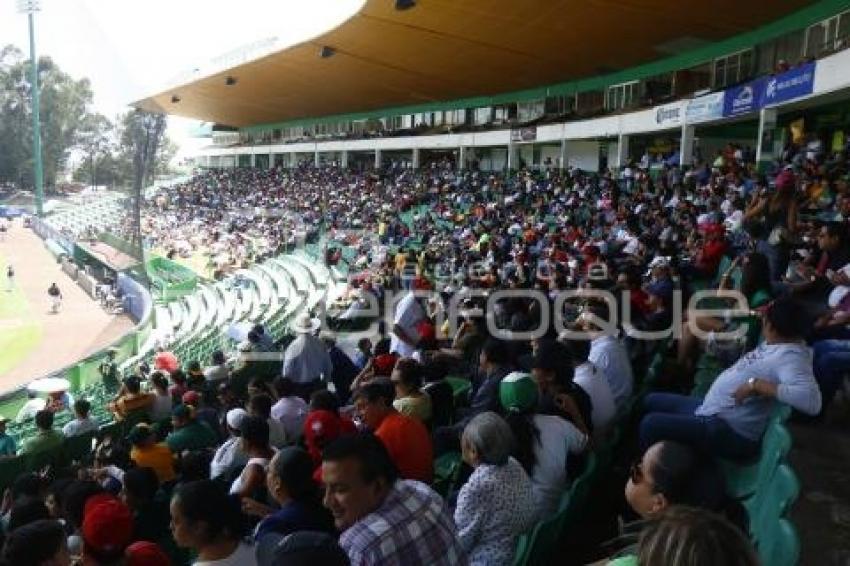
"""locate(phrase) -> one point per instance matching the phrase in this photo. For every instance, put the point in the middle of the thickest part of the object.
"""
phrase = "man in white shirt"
(609, 355)
(290, 410)
(593, 382)
(405, 336)
(306, 359)
(229, 455)
(81, 423)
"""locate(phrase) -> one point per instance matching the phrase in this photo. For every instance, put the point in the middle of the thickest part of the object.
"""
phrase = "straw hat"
(304, 324)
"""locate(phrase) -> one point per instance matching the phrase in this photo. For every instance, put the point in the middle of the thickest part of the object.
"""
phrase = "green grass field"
(19, 334)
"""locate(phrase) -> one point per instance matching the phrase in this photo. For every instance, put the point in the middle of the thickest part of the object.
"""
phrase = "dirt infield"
(81, 327)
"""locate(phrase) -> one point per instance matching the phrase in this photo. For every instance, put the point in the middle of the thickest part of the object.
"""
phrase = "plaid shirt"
(412, 526)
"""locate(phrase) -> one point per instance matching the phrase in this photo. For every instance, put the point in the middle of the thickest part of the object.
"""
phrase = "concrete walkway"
(81, 327)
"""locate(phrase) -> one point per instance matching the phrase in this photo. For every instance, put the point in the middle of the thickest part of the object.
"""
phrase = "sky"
(132, 48)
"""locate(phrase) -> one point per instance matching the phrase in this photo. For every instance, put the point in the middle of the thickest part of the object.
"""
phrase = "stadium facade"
(353, 97)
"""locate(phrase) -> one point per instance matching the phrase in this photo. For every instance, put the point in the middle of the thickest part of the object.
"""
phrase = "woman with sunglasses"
(670, 474)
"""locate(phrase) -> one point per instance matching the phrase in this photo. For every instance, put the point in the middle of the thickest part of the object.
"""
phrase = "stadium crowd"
(328, 455)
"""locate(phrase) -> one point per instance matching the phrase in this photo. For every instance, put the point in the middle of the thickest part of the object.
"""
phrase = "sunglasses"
(636, 472)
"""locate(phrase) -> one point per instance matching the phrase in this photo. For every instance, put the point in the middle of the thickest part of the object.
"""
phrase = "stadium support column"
(343, 159)
(513, 157)
(377, 159)
(686, 146)
(562, 158)
(253, 160)
(271, 160)
(461, 158)
(767, 134)
(415, 158)
(316, 161)
(622, 152)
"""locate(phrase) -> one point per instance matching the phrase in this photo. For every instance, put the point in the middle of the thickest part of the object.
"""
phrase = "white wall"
(583, 154)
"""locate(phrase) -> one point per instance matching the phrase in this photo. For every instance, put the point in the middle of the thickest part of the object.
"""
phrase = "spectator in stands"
(290, 484)
(301, 548)
(81, 423)
(730, 421)
(46, 438)
(254, 437)
(133, 401)
(178, 387)
(195, 376)
(756, 288)
(552, 368)
(587, 376)
(772, 220)
(684, 536)
(344, 370)
(544, 443)
(230, 456)
(26, 510)
(497, 503)
(150, 514)
(33, 405)
(290, 409)
(160, 409)
(408, 314)
(205, 519)
(324, 425)
(202, 412)
(383, 519)
(146, 452)
(107, 530)
(39, 543)
(306, 361)
(7, 443)
(670, 473)
(410, 400)
(189, 433)
(364, 353)
(265, 341)
(407, 440)
(608, 353)
(145, 553)
(165, 360)
(218, 372)
(108, 369)
(261, 406)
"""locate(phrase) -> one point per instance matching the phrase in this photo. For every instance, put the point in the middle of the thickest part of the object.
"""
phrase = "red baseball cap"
(107, 525)
(144, 553)
(191, 398)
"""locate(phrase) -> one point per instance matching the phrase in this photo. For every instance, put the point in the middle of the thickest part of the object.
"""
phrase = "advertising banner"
(669, 114)
(789, 85)
(743, 99)
(526, 134)
(704, 108)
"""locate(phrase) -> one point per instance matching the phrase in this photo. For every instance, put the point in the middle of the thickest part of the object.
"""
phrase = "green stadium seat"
(743, 480)
(460, 387)
(446, 471)
(772, 502)
(781, 545)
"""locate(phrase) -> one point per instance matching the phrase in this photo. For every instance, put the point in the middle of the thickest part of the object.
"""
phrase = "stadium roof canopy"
(441, 50)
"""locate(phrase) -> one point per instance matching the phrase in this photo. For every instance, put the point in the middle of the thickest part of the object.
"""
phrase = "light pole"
(30, 7)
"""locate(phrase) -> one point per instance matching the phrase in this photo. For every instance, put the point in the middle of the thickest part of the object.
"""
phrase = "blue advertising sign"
(743, 99)
(703, 108)
(791, 84)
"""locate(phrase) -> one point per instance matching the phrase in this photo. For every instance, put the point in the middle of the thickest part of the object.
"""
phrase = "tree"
(95, 142)
(64, 106)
